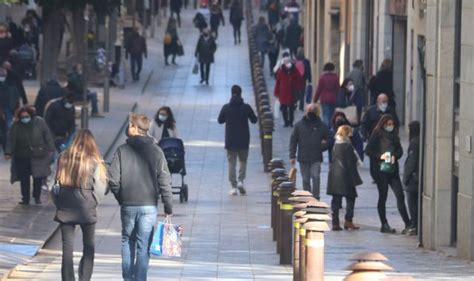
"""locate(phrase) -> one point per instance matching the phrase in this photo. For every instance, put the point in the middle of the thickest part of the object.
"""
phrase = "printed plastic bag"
(276, 109)
(167, 240)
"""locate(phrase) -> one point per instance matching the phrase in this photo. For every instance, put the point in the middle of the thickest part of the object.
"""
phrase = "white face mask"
(2, 79)
(68, 105)
(389, 129)
(383, 106)
(162, 117)
(350, 88)
(288, 65)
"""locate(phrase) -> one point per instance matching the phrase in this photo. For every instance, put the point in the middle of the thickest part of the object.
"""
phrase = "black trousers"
(237, 32)
(23, 168)
(178, 17)
(288, 112)
(262, 58)
(215, 30)
(412, 198)
(272, 58)
(86, 264)
(173, 58)
(205, 69)
(136, 62)
(336, 205)
(374, 168)
(383, 182)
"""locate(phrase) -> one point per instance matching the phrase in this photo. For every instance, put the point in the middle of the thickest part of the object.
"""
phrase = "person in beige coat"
(164, 124)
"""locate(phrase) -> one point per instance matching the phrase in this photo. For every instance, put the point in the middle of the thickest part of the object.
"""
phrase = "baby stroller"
(173, 149)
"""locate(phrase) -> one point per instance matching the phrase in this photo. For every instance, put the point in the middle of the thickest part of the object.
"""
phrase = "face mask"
(389, 129)
(288, 65)
(350, 88)
(3, 35)
(2, 79)
(25, 120)
(68, 105)
(312, 116)
(383, 106)
(162, 117)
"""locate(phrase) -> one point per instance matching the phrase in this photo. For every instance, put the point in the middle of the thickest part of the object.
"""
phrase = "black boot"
(387, 229)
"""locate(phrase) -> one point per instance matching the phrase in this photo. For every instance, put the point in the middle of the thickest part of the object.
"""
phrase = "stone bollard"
(315, 226)
(367, 266)
(285, 221)
(274, 202)
(300, 200)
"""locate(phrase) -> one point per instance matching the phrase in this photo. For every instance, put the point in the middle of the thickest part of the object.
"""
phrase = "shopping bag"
(180, 51)
(309, 93)
(276, 109)
(292, 174)
(167, 240)
(195, 67)
(351, 114)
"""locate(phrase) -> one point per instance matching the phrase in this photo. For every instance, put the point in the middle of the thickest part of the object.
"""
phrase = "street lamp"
(85, 107)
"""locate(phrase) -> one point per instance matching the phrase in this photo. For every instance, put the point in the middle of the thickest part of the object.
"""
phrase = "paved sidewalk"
(225, 238)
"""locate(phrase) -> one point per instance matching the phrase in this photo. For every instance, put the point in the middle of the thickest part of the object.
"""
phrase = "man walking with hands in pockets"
(137, 176)
(236, 115)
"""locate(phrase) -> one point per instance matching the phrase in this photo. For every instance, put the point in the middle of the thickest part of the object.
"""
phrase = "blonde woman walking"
(81, 176)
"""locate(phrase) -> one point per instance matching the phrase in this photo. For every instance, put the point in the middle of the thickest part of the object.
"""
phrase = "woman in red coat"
(289, 84)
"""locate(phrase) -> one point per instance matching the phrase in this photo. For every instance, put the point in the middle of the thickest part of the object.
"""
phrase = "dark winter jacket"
(199, 21)
(360, 83)
(310, 138)
(136, 45)
(171, 48)
(176, 5)
(236, 115)
(75, 84)
(236, 14)
(79, 205)
(9, 97)
(346, 98)
(356, 141)
(410, 174)
(6, 45)
(293, 35)
(15, 80)
(139, 174)
(205, 49)
(385, 142)
(40, 138)
(51, 90)
(262, 35)
(372, 117)
(61, 121)
(328, 88)
(343, 174)
(273, 7)
(288, 83)
(217, 17)
(382, 83)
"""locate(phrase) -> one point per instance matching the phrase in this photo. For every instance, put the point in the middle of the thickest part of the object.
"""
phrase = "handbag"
(180, 50)
(350, 112)
(167, 239)
(387, 167)
(56, 187)
(196, 67)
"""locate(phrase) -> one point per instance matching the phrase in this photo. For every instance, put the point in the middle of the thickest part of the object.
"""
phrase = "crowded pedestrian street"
(276, 97)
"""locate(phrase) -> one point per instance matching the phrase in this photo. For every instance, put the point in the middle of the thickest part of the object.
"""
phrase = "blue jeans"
(138, 224)
(328, 112)
(92, 96)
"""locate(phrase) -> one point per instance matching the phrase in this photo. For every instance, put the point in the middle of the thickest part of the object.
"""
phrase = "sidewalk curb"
(107, 154)
(145, 85)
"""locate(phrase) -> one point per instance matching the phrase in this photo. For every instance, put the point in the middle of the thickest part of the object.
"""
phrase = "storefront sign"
(398, 8)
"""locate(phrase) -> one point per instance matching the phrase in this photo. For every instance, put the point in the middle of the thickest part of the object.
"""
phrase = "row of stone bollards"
(299, 222)
(262, 99)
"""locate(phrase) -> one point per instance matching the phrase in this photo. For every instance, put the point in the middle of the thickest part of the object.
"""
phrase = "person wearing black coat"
(217, 17)
(14, 79)
(236, 115)
(310, 138)
(382, 82)
(236, 16)
(171, 48)
(385, 148)
(411, 177)
(60, 117)
(49, 91)
(205, 49)
(343, 178)
(292, 37)
(175, 8)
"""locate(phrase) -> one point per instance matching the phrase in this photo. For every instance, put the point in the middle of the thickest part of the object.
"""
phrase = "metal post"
(108, 54)
(299, 220)
(159, 11)
(284, 222)
(314, 255)
(85, 107)
(153, 19)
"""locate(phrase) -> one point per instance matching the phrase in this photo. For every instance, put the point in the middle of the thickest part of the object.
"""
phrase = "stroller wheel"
(181, 197)
(185, 192)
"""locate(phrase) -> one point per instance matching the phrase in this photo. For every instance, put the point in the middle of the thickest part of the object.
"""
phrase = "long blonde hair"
(79, 161)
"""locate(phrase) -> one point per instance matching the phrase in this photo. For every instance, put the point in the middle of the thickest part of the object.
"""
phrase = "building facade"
(433, 71)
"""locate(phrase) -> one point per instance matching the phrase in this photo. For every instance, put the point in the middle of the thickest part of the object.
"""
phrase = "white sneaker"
(240, 186)
(233, 191)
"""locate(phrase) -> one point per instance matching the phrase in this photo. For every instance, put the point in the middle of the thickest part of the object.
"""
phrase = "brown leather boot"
(351, 226)
(336, 227)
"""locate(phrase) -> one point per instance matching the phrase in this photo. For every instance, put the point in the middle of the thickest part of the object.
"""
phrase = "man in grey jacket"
(137, 176)
(310, 138)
